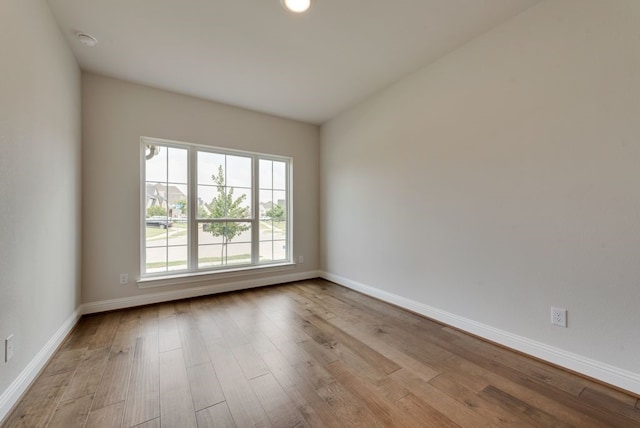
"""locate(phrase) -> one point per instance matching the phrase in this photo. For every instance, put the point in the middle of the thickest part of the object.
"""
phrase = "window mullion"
(192, 201)
(255, 208)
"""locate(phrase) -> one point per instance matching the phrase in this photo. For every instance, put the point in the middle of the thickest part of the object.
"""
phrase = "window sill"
(194, 277)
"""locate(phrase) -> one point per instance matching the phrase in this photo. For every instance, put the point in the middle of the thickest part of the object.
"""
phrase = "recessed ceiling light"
(86, 39)
(296, 6)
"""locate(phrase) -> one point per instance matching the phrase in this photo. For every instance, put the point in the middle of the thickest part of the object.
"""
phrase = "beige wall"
(39, 182)
(115, 115)
(502, 180)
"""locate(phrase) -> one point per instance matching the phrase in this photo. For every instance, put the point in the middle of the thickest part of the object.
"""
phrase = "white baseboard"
(11, 396)
(167, 296)
(612, 375)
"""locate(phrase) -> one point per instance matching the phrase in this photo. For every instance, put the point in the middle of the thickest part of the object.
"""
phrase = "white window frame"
(193, 222)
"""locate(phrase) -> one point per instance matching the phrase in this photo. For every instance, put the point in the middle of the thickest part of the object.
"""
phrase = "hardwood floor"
(304, 354)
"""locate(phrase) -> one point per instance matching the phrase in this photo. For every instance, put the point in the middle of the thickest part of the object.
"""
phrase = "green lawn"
(152, 232)
(178, 229)
(204, 260)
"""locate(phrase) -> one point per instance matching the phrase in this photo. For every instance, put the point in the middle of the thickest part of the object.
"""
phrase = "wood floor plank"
(176, 404)
(376, 339)
(613, 394)
(368, 354)
(240, 397)
(477, 378)
(303, 354)
(430, 417)
(424, 397)
(513, 404)
(106, 417)
(205, 387)
(485, 409)
(65, 360)
(545, 373)
(167, 309)
(40, 402)
(71, 413)
(205, 323)
(347, 407)
(155, 423)
(232, 334)
(83, 333)
(568, 401)
(169, 334)
(143, 399)
(88, 374)
(311, 368)
(249, 361)
(302, 390)
(193, 346)
(276, 403)
(106, 331)
(217, 416)
(114, 385)
(622, 407)
(384, 411)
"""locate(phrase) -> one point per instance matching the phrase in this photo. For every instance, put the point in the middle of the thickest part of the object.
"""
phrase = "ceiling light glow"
(297, 6)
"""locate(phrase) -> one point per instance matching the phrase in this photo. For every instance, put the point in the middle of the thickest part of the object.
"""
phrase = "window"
(212, 209)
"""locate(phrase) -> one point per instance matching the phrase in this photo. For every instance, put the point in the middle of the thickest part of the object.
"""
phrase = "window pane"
(177, 258)
(266, 202)
(279, 250)
(279, 175)
(279, 229)
(177, 200)
(205, 235)
(223, 190)
(165, 210)
(210, 255)
(156, 259)
(266, 174)
(266, 230)
(238, 171)
(177, 160)
(279, 212)
(178, 234)
(155, 236)
(266, 251)
(235, 231)
(244, 234)
(238, 253)
(226, 232)
(238, 202)
(236, 243)
(156, 166)
(211, 203)
(208, 166)
(156, 199)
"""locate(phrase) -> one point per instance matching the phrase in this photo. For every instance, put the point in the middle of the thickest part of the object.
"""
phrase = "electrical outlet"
(124, 278)
(301, 259)
(8, 348)
(559, 317)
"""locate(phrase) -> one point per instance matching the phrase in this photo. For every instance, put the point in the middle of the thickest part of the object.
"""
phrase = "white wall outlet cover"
(559, 317)
(124, 278)
(8, 348)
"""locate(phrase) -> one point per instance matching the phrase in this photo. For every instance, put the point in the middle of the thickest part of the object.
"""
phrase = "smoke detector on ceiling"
(86, 39)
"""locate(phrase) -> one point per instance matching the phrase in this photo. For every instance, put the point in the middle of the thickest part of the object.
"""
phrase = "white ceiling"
(254, 54)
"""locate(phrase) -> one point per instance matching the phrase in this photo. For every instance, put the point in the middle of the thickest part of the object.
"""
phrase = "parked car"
(159, 221)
